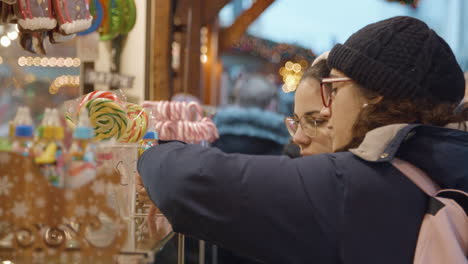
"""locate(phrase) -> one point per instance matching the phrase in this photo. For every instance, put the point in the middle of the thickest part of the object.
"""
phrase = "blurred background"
(204, 47)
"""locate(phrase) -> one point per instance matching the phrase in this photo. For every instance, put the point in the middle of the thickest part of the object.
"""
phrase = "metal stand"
(181, 249)
(201, 252)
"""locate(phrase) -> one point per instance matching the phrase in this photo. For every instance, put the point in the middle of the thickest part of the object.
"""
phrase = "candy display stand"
(103, 221)
(40, 223)
(143, 237)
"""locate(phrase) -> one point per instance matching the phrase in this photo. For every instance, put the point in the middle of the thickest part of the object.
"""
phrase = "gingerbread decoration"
(73, 15)
(35, 15)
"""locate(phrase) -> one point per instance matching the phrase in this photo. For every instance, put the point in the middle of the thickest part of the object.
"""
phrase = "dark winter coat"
(349, 207)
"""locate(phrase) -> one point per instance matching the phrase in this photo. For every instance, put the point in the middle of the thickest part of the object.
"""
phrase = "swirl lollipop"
(108, 118)
(98, 94)
(138, 123)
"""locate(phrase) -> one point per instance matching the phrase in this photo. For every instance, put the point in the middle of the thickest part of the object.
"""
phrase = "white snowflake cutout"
(93, 209)
(80, 211)
(20, 209)
(4, 158)
(40, 202)
(5, 186)
(99, 187)
(69, 195)
(28, 177)
(51, 251)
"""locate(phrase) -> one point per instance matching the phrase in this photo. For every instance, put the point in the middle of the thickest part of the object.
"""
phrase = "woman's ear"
(375, 100)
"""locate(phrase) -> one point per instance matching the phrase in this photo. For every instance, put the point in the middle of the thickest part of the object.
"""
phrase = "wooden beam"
(210, 10)
(232, 34)
(192, 66)
(162, 31)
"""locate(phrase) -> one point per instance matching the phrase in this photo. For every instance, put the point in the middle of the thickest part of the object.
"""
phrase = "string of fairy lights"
(48, 62)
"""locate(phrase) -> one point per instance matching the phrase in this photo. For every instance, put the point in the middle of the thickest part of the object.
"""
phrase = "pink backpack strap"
(417, 176)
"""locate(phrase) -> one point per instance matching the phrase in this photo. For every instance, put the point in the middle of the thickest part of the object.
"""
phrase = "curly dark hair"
(396, 111)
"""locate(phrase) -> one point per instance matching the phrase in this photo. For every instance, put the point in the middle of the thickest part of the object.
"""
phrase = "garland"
(412, 3)
(272, 51)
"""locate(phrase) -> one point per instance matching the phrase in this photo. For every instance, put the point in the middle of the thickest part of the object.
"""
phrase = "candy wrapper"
(110, 115)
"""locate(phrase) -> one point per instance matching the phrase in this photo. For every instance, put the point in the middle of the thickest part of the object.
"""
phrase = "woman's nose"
(300, 138)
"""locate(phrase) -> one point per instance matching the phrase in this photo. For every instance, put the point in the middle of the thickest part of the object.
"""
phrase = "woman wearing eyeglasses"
(308, 127)
(393, 87)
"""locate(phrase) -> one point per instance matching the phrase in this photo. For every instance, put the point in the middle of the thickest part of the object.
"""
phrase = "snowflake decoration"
(80, 211)
(20, 209)
(40, 202)
(5, 186)
(51, 251)
(28, 177)
(99, 187)
(4, 158)
(69, 195)
(94, 210)
(63, 257)
(76, 256)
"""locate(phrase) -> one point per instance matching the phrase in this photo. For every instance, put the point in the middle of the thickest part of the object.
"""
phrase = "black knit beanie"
(401, 57)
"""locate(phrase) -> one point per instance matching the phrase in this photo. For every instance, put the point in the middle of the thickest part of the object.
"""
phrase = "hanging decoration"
(412, 3)
(119, 18)
(37, 20)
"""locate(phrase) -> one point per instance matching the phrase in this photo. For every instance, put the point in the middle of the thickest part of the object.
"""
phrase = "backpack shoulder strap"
(417, 176)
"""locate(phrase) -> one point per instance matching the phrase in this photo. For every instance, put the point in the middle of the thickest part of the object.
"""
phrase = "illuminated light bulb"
(289, 65)
(204, 49)
(37, 61)
(60, 62)
(44, 62)
(282, 71)
(68, 62)
(204, 58)
(22, 61)
(52, 62)
(29, 61)
(290, 80)
(297, 68)
(12, 35)
(5, 41)
(76, 62)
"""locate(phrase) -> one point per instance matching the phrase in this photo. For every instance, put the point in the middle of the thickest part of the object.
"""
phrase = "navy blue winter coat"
(348, 207)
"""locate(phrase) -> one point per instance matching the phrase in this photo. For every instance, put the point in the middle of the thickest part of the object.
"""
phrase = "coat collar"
(382, 143)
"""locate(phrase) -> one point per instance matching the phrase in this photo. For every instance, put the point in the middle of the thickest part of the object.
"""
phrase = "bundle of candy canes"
(181, 121)
(110, 116)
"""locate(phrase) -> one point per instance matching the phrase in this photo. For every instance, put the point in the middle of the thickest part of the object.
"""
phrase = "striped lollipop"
(98, 94)
(138, 123)
(108, 118)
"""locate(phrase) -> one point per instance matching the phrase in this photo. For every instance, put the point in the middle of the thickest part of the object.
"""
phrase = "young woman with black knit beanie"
(393, 87)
